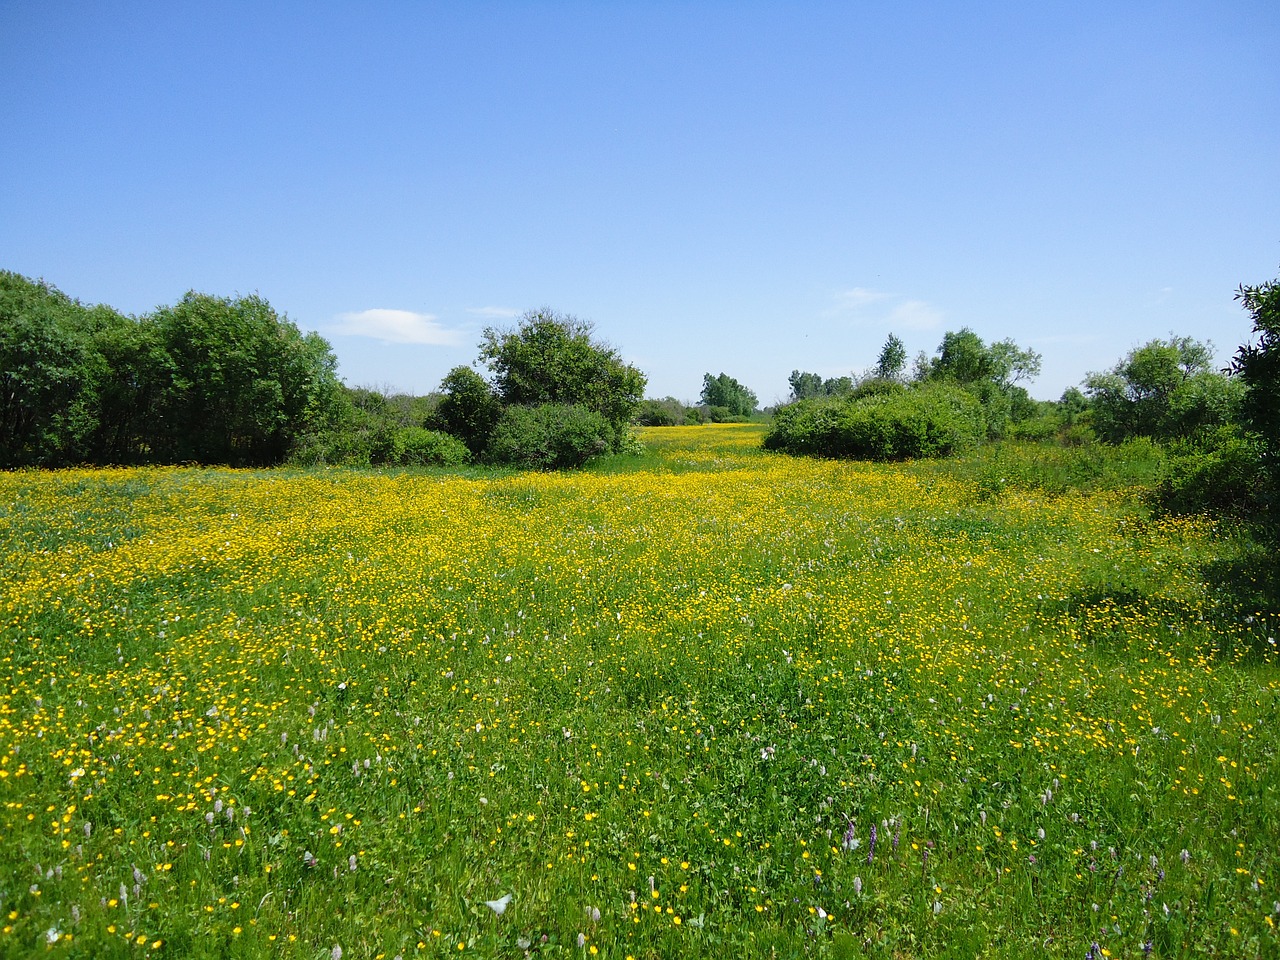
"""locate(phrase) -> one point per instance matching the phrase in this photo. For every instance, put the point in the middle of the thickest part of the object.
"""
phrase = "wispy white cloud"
(867, 306)
(915, 315)
(396, 326)
(858, 297)
(505, 313)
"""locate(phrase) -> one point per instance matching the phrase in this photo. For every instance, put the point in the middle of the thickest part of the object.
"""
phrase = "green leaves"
(211, 379)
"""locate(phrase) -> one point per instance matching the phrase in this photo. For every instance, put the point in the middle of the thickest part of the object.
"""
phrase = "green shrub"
(549, 436)
(1223, 475)
(667, 412)
(929, 421)
(414, 446)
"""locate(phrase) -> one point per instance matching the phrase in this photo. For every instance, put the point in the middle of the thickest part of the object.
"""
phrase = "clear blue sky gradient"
(740, 187)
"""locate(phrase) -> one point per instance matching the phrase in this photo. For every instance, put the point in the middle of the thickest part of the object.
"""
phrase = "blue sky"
(741, 187)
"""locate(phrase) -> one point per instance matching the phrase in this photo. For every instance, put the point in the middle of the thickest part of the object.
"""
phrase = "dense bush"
(929, 421)
(549, 436)
(667, 412)
(1222, 474)
(417, 447)
(469, 408)
(369, 428)
(210, 379)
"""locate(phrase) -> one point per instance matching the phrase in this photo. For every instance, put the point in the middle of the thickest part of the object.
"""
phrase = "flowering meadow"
(709, 702)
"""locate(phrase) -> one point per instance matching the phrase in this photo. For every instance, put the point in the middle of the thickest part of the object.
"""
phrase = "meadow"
(709, 702)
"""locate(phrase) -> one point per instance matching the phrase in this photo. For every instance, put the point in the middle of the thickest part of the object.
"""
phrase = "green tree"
(553, 358)
(49, 372)
(725, 391)
(1165, 389)
(804, 385)
(136, 377)
(990, 372)
(1258, 367)
(892, 360)
(246, 381)
(469, 408)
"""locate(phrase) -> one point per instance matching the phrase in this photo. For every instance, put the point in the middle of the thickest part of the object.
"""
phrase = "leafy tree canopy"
(964, 358)
(1164, 389)
(725, 391)
(892, 360)
(552, 358)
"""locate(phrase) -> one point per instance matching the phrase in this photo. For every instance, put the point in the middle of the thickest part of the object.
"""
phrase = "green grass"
(661, 703)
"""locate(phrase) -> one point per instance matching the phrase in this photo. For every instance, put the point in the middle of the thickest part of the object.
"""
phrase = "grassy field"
(710, 702)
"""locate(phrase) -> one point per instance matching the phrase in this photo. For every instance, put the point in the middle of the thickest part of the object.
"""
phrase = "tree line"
(209, 379)
(229, 381)
(1220, 428)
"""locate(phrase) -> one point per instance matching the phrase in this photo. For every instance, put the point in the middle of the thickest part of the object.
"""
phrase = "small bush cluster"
(556, 398)
(932, 420)
(667, 412)
(1222, 474)
(549, 436)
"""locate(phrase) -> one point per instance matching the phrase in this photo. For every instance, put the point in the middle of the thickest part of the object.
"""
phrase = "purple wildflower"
(848, 836)
(871, 845)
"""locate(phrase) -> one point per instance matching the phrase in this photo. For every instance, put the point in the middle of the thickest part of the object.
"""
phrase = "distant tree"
(725, 391)
(804, 385)
(893, 359)
(989, 372)
(964, 358)
(552, 358)
(1165, 389)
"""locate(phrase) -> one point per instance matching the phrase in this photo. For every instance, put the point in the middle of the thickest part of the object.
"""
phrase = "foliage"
(211, 379)
(48, 375)
(549, 436)
(369, 428)
(418, 447)
(990, 372)
(1258, 367)
(930, 421)
(965, 359)
(245, 381)
(667, 412)
(1221, 474)
(1165, 389)
(469, 408)
(724, 391)
(806, 386)
(892, 360)
(551, 358)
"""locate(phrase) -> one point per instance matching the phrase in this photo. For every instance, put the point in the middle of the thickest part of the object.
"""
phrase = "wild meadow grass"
(710, 702)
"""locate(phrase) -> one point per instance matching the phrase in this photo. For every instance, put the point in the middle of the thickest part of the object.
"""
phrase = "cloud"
(915, 315)
(396, 326)
(505, 313)
(858, 297)
(877, 308)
